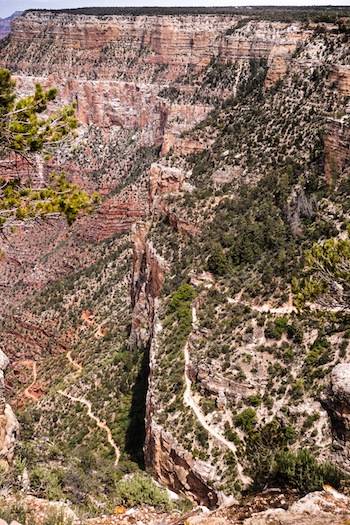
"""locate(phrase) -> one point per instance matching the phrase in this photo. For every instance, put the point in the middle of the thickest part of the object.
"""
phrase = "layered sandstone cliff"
(140, 47)
(115, 69)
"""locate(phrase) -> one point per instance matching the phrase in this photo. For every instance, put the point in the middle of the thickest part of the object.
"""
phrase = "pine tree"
(25, 126)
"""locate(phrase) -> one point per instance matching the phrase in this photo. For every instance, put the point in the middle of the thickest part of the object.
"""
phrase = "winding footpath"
(190, 401)
(99, 423)
(27, 393)
(74, 363)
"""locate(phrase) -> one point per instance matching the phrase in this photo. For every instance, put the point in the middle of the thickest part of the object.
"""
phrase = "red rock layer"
(143, 47)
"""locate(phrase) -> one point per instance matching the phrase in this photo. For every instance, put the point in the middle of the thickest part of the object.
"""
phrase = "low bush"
(302, 471)
(140, 490)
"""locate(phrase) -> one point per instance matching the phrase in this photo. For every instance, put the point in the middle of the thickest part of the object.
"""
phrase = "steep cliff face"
(148, 274)
(9, 427)
(175, 466)
(337, 148)
(143, 46)
(336, 400)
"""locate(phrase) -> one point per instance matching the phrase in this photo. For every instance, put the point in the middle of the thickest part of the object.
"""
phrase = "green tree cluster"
(20, 201)
(302, 471)
(25, 128)
(327, 274)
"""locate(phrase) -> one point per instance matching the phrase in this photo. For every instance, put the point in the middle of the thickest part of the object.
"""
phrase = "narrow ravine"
(190, 401)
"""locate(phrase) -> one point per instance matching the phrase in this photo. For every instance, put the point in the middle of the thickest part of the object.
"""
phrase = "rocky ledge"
(327, 507)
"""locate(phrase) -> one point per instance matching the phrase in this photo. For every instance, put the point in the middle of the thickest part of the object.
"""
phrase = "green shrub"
(274, 330)
(246, 420)
(255, 400)
(140, 490)
(302, 471)
(16, 511)
(218, 262)
(182, 297)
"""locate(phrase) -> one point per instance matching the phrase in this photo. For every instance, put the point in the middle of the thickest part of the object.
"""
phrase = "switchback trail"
(190, 401)
(99, 423)
(74, 363)
(27, 392)
(287, 308)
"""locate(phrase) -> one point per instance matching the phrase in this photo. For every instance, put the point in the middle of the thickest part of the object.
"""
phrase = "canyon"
(182, 120)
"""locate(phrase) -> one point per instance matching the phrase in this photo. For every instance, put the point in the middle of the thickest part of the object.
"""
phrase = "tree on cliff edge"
(24, 128)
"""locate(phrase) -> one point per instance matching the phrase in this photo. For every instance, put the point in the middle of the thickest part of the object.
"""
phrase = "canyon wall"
(144, 47)
(148, 274)
(8, 423)
(337, 148)
(115, 69)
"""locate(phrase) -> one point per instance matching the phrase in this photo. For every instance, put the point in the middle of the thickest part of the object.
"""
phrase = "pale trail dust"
(189, 400)
(27, 393)
(99, 423)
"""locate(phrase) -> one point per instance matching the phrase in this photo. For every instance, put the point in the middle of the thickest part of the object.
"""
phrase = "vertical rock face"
(174, 466)
(8, 423)
(337, 147)
(341, 77)
(180, 118)
(148, 276)
(138, 47)
(164, 180)
(337, 403)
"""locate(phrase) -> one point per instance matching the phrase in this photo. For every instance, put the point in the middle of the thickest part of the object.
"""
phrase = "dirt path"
(190, 401)
(287, 308)
(74, 363)
(27, 393)
(99, 423)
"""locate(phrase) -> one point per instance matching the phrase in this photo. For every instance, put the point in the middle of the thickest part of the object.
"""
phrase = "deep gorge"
(219, 145)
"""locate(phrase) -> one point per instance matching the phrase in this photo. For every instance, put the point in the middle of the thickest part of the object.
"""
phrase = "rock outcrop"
(337, 148)
(163, 181)
(341, 77)
(336, 401)
(176, 468)
(318, 508)
(8, 423)
(148, 275)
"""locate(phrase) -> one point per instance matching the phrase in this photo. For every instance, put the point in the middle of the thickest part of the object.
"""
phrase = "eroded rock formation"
(8, 423)
(148, 275)
(166, 45)
(337, 400)
(175, 467)
(337, 148)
